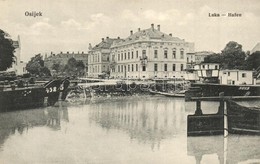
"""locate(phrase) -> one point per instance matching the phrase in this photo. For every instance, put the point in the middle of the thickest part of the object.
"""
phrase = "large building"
(256, 48)
(148, 54)
(19, 67)
(62, 58)
(99, 58)
(200, 56)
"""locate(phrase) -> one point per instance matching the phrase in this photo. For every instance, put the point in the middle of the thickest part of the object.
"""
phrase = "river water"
(117, 130)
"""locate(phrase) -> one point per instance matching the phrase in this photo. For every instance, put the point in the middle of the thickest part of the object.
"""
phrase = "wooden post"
(225, 120)
(198, 108)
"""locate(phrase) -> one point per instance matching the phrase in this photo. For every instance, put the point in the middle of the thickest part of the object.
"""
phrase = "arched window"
(174, 53)
(182, 53)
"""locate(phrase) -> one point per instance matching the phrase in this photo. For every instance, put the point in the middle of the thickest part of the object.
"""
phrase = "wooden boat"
(174, 94)
(25, 97)
(237, 119)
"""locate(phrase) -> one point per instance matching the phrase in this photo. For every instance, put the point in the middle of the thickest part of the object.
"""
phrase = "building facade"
(149, 54)
(200, 56)
(62, 58)
(237, 77)
(19, 67)
(99, 58)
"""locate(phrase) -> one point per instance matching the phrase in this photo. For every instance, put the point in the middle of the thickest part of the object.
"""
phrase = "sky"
(67, 25)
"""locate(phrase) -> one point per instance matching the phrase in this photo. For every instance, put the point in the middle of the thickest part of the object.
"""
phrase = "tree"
(36, 66)
(213, 58)
(232, 57)
(58, 68)
(74, 67)
(6, 51)
(253, 61)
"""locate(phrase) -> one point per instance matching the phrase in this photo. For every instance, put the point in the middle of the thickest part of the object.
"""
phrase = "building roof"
(148, 34)
(256, 48)
(106, 43)
(203, 53)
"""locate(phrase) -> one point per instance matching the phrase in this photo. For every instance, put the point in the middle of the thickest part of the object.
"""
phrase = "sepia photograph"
(129, 82)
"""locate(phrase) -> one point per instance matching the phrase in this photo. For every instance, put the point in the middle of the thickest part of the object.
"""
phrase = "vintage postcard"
(129, 81)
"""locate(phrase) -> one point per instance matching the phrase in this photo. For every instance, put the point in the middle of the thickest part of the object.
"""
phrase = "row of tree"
(233, 57)
(73, 68)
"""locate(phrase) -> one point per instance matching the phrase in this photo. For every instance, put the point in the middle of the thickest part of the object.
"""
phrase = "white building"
(19, 67)
(148, 54)
(236, 77)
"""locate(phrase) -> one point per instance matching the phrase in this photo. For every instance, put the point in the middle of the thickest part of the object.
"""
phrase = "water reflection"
(144, 121)
(22, 121)
(232, 149)
(123, 130)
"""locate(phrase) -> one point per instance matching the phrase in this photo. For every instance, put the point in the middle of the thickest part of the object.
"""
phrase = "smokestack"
(152, 25)
(170, 34)
(139, 29)
(158, 27)
(131, 32)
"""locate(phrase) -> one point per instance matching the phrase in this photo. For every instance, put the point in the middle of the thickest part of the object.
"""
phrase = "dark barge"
(25, 97)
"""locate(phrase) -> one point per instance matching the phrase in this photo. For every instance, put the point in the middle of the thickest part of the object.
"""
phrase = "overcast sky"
(68, 25)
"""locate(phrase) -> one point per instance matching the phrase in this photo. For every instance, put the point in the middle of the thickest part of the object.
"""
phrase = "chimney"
(51, 52)
(89, 46)
(152, 25)
(170, 34)
(118, 37)
(139, 29)
(102, 39)
(158, 27)
(131, 32)
(107, 37)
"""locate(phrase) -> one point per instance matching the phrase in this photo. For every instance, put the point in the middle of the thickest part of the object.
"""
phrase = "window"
(243, 74)
(136, 67)
(165, 54)
(155, 67)
(128, 55)
(118, 57)
(144, 68)
(216, 66)
(181, 67)
(122, 68)
(155, 53)
(228, 73)
(143, 53)
(118, 68)
(125, 56)
(128, 68)
(136, 54)
(122, 56)
(182, 54)
(132, 68)
(132, 54)
(113, 57)
(173, 67)
(165, 67)
(174, 53)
